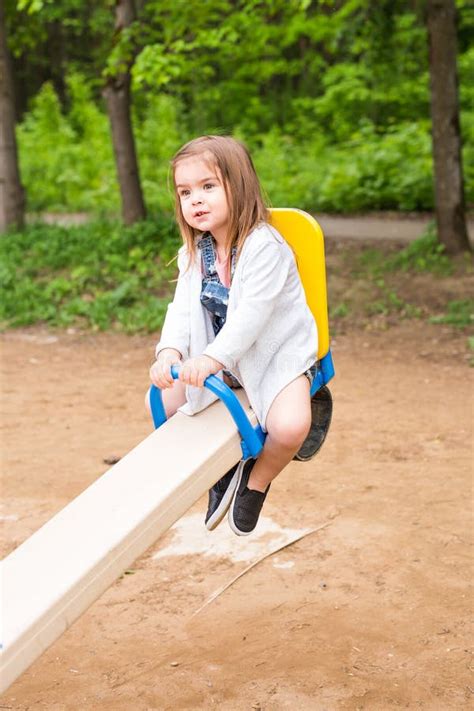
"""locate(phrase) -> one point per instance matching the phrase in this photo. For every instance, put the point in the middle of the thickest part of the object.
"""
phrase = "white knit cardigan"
(269, 337)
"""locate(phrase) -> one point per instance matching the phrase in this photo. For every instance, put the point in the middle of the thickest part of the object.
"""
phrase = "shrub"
(99, 275)
(67, 162)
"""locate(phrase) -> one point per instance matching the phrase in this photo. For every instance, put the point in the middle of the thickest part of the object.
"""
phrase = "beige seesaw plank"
(57, 573)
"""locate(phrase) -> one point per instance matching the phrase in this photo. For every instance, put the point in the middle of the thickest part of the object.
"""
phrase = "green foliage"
(340, 311)
(459, 313)
(389, 301)
(391, 170)
(66, 162)
(466, 72)
(261, 62)
(52, 39)
(30, 6)
(381, 272)
(425, 254)
(332, 98)
(470, 345)
(158, 136)
(66, 159)
(369, 171)
(99, 275)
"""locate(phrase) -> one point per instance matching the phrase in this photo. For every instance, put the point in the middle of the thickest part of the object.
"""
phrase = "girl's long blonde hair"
(244, 194)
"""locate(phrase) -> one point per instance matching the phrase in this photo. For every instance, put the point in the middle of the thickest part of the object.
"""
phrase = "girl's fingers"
(160, 374)
(185, 375)
(154, 375)
(192, 374)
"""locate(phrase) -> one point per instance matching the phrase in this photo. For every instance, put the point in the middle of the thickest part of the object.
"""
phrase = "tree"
(446, 133)
(50, 40)
(11, 191)
(117, 98)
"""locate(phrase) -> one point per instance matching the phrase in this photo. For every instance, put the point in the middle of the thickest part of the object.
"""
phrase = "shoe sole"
(214, 520)
(305, 454)
(230, 518)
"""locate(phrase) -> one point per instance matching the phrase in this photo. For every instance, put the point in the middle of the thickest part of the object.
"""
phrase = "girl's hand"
(194, 371)
(160, 371)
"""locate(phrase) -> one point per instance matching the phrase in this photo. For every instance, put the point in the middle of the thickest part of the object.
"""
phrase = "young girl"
(240, 312)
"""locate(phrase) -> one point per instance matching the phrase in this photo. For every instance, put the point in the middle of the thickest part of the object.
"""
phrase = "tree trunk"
(12, 199)
(117, 98)
(448, 175)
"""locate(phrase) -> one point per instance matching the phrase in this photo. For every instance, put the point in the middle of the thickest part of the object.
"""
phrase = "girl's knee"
(289, 418)
(290, 432)
(173, 398)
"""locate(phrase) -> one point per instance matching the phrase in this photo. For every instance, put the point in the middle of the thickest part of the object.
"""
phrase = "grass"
(424, 254)
(104, 276)
(386, 283)
(459, 313)
(100, 275)
(470, 346)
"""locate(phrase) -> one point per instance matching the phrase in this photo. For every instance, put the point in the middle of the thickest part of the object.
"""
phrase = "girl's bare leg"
(288, 423)
(172, 398)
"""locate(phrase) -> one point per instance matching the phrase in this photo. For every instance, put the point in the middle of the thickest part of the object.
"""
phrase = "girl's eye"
(208, 186)
(183, 193)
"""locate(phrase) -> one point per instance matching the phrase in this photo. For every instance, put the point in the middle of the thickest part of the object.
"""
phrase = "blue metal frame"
(252, 437)
(324, 372)
(156, 406)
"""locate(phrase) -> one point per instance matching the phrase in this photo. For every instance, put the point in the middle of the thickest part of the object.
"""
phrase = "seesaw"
(57, 573)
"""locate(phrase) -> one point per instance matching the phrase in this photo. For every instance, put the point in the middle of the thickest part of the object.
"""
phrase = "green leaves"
(390, 170)
(425, 254)
(98, 276)
(332, 97)
(32, 6)
(155, 66)
(459, 313)
(66, 161)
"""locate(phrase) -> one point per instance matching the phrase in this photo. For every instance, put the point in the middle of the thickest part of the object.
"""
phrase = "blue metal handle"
(252, 438)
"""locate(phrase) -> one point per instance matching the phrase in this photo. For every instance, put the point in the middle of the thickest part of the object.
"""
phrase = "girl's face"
(202, 195)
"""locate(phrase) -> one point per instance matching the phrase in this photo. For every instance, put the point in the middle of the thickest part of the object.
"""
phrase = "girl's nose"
(197, 200)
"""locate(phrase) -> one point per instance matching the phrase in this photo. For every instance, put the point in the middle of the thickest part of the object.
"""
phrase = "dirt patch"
(371, 612)
(365, 293)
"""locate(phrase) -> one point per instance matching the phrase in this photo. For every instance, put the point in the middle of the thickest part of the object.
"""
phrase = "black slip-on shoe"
(220, 497)
(246, 504)
(321, 414)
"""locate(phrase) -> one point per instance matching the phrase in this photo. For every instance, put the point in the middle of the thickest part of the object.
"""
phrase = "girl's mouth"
(200, 214)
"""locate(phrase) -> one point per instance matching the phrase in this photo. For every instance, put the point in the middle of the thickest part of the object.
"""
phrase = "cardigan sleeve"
(263, 278)
(176, 328)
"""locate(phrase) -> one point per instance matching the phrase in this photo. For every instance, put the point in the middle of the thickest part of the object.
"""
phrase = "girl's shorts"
(311, 374)
(234, 383)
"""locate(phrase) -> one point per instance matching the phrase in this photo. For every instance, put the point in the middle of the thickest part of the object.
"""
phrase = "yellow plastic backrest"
(305, 237)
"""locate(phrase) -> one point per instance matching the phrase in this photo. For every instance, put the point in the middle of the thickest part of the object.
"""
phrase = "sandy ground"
(370, 612)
